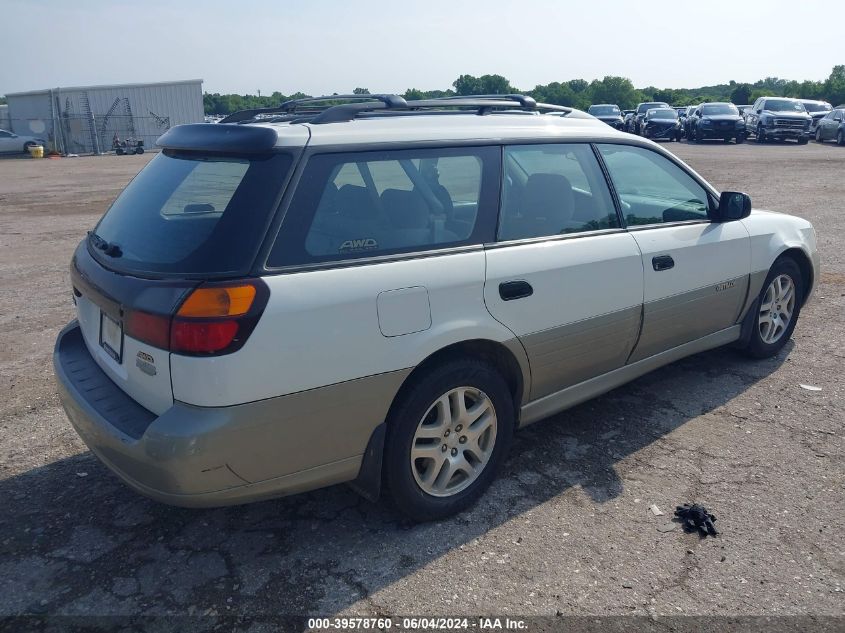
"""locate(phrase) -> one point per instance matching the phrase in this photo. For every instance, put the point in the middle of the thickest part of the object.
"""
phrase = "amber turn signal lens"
(218, 302)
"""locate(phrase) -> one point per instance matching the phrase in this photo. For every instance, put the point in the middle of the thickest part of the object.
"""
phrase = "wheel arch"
(801, 258)
(508, 357)
(502, 356)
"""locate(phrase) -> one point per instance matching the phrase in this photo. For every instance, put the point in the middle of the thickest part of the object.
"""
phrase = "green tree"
(834, 86)
(414, 94)
(618, 90)
(741, 95)
(360, 91)
(467, 85)
(484, 85)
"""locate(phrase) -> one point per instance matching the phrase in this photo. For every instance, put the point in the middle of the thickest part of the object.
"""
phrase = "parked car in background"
(11, 143)
(832, 127)
(718, 120)
(685, 120)
(778, 118)
(642, 108)
(607, 113)
(662, 123)
(229, 347)
(628, 120)
(817, 110)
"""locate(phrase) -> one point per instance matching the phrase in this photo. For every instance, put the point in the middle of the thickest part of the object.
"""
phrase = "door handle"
(662, 262)
(510, 290)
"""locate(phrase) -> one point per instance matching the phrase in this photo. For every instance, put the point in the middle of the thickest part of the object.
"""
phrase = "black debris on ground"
(696, 518)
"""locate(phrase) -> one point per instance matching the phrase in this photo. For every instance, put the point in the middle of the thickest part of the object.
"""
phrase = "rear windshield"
(186, 214)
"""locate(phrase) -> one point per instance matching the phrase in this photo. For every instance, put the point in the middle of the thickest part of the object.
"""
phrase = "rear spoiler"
(209, 137)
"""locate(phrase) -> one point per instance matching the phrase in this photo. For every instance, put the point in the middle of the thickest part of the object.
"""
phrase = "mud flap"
(368, 482)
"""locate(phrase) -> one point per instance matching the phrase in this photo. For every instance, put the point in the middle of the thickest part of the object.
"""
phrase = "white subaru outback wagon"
(380, 292)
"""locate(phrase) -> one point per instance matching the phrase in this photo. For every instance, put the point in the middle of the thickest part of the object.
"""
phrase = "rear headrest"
(355, 203)
(405, 209)
(548, 196)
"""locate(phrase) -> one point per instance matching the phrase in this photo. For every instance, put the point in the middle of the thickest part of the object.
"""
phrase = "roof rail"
(291, 106)
(298, 110)
(482, 104)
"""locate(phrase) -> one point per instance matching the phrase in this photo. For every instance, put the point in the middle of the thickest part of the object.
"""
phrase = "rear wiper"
(109, 248)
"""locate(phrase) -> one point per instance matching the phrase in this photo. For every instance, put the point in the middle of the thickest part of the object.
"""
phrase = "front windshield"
(818, 107)
(662, 114)
(784, 105)
(648, 106)
(719, 108)
(604, 110)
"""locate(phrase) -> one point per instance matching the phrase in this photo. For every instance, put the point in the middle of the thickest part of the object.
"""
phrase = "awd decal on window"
(363, 244)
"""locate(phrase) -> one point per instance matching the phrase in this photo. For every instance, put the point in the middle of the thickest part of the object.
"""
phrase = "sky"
(327, 46)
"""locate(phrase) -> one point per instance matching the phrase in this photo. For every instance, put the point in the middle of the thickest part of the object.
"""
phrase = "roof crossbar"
(309, 110)
(292, 106)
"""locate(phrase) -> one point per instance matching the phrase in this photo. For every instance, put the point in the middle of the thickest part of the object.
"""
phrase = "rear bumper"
(205, 457)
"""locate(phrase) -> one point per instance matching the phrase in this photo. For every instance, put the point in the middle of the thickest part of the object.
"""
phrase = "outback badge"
(146, 363)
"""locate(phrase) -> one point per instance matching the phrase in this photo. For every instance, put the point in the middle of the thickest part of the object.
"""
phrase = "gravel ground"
(566, 529)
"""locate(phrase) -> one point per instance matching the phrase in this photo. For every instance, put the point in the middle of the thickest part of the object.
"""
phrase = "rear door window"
(189, 214)
(355, 205)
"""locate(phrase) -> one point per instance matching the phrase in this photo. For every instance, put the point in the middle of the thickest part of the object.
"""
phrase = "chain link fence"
(78, 134)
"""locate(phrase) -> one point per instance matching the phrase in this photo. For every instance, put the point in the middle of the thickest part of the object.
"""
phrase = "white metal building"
(87, 119)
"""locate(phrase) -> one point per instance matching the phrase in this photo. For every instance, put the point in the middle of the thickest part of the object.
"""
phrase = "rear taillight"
(149, 328)
(214, 319)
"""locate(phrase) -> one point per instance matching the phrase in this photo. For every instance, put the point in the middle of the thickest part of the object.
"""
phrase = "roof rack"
(293, 106)
(298, 110)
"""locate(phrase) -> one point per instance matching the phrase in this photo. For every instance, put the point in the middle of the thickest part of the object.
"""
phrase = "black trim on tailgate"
(114, 292)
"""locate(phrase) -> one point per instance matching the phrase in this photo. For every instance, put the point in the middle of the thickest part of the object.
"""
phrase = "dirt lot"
(565, 531)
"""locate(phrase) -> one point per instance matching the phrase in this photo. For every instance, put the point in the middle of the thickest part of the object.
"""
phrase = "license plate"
(111, 337)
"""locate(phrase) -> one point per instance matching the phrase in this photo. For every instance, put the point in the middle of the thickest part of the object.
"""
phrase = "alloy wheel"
(454, 441)
(776, 309)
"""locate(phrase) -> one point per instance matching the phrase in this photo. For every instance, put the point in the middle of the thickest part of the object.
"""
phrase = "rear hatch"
(188, 220)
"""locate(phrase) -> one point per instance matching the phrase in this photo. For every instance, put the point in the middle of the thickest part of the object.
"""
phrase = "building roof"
(104, 87)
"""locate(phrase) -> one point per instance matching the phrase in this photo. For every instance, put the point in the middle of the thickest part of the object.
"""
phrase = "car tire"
(769, 334)
(727, 139)
(761, 135)
(27, 145)
(740, 138)
(819, 136)
(430, 416)
(139, 150)
(840, 138)
(803, 140)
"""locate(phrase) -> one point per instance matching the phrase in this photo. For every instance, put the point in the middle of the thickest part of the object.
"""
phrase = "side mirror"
(733, 205)
(760, 111)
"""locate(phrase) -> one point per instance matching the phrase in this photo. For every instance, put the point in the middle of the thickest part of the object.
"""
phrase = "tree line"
(579, 93)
